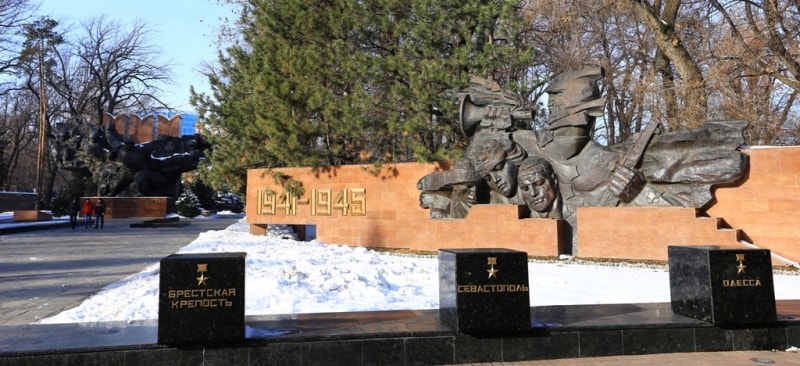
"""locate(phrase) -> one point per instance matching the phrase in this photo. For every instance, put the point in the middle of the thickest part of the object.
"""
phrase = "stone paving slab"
(49, 267)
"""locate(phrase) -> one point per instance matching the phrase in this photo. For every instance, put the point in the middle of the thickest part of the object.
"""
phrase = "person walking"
(74, 209)
(86, 209)
(99, 213)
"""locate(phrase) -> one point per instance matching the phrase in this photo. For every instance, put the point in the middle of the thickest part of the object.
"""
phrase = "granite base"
(401, 338)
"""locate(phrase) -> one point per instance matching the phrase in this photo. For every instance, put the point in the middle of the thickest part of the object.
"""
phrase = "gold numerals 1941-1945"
(322, 202)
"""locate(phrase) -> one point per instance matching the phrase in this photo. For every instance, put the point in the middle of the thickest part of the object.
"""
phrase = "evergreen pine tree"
(187, 204)
(351, 82)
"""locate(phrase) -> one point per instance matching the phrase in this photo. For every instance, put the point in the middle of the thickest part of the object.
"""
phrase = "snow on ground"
(285, 276)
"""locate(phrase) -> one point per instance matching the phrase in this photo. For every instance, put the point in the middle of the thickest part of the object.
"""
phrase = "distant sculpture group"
(121, 167)
(558, 169)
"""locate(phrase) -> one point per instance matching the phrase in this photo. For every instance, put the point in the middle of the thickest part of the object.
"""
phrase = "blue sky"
(186, 40)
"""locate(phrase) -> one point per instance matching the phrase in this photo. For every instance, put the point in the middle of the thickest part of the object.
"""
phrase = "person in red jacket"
(87, 209)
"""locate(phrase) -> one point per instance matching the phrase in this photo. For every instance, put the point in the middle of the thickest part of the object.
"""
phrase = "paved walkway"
(48, 268)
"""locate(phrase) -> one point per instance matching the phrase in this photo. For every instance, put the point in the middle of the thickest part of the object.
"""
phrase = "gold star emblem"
(491, 270)
(202, 279)
(202, 269)
(741, 266)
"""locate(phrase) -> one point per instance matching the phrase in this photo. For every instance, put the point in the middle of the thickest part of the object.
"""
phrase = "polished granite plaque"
(201, 299)
(484, 290)
(722, 285)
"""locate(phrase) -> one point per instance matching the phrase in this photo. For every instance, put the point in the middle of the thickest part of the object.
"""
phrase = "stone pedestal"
(201, 299)
(130, 207)
(722, 285)
(484, 290)
(31, 215)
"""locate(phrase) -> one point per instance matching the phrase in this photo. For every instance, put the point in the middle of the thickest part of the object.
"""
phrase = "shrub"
(59, 205)
(205, 194)
(187, 204)
(229, 202)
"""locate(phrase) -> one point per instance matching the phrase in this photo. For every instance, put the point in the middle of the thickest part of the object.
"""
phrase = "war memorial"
(718, 212)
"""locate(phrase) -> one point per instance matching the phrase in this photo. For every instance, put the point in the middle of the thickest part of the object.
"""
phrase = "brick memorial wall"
(383, 212)
(136, 207)
(766, 206)
(145, 129)
(351, 206)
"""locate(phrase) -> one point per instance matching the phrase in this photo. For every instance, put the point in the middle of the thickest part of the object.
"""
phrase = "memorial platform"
(162, 222)
(403, 338)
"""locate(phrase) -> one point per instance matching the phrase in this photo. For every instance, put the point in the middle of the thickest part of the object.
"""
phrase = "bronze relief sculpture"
(518, 165)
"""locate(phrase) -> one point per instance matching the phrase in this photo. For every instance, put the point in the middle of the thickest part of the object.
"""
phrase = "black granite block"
(277, 354)
(387, 352)
(430, 351)
(476, 350)
(722, 285)
(36, 360)
(713, 339)
(201, 299)
(334, 353)
(759, 338)
(225, 356)
(164, 356)
(599, 343)
(93, 358)
(546, 346)
(484, 290)
(657, 340)
(793, 334)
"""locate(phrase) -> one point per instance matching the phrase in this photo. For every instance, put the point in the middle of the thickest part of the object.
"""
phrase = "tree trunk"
(693, 112)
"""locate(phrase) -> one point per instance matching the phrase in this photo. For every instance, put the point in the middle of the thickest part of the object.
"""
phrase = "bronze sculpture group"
(555, 170)
(551, 172)
(120, 167)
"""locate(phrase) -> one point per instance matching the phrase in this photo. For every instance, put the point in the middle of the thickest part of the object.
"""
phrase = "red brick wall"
(134, 207)
(766, 207)
(141, 129)
(646, 232)
(391, 216)
(763, 209)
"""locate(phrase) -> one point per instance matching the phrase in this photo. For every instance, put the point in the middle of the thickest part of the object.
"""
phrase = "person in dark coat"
(74, 209)
(99, 213)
